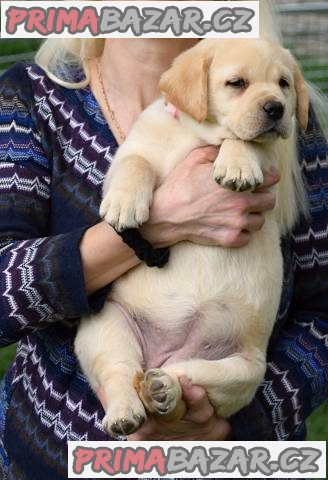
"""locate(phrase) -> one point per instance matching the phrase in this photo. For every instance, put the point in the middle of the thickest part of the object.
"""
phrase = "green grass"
(10, 47)
(13, 47)
(317, 423)
(6, 356)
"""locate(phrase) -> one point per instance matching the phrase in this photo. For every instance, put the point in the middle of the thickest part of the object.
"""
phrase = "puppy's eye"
(283, 83)
(239, 83)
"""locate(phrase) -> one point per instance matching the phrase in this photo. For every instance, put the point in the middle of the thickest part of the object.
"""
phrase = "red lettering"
(135, 458)
(34, 22)
(82, 456)
(156, 458)
(67, 19)
(15, 17)
(117, 459)
(51, 13)
(89, 19)
(101, 462)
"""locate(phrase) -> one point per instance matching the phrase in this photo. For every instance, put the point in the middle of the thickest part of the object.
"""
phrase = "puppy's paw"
(238, 175)
(124, 419)
(123, 209)
(160, 392)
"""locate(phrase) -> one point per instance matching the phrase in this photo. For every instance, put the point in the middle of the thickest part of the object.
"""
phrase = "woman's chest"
(81, 156)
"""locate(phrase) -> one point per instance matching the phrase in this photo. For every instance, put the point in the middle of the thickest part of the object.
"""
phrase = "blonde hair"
(62, 55)
(55, 54)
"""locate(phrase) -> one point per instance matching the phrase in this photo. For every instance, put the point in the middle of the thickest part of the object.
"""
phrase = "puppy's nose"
(274, 110)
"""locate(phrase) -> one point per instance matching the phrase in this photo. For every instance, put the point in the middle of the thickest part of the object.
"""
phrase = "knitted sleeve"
(41, 276)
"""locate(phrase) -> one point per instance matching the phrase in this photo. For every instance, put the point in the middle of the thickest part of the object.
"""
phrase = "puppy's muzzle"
(274, 110)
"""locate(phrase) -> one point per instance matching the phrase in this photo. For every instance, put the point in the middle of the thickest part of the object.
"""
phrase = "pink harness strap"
(172, 110)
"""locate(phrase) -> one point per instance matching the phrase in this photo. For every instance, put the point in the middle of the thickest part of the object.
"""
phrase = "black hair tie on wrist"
(153, 257)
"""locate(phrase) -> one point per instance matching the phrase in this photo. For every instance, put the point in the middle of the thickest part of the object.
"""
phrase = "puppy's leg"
(230, 382)
(111, 357)
(238, 165)
(128, 192)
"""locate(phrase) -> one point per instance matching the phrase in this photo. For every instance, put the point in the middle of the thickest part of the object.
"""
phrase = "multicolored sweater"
(55, 148)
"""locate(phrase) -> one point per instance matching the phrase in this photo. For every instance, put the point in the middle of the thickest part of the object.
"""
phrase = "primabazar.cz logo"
(185, 459)
(128, 19)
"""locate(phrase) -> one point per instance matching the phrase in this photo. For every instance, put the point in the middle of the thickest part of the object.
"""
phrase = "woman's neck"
(130, 70)
(132, 67)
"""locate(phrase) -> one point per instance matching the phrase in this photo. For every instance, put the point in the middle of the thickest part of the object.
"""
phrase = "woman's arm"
(105, 257)
(189, 205)
(41, 276)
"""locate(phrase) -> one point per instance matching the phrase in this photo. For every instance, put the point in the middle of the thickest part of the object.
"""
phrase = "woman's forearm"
(179, 212)
(105, 257)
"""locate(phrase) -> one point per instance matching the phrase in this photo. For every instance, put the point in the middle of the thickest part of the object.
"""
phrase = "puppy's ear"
(185, 83)
(303, 100)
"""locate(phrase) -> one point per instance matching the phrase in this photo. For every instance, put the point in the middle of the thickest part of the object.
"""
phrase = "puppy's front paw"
(159, 392)
(124, 419)
(123, 209)
(238, 175)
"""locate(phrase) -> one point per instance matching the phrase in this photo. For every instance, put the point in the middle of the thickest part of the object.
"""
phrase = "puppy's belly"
(161, 346)
(206, 300)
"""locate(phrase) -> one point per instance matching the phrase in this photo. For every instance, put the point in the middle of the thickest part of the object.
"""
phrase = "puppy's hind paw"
(160, 393)
(123, 421)
(123, 426)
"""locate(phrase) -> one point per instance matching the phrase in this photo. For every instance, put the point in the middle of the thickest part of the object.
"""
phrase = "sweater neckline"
(86, 101)
(92, 109)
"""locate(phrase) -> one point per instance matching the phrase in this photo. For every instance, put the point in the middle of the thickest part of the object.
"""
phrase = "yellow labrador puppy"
(208, 314)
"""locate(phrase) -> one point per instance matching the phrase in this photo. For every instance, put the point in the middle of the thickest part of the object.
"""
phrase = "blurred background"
(304, 24)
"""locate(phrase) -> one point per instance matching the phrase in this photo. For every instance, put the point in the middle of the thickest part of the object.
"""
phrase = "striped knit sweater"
(55, 148)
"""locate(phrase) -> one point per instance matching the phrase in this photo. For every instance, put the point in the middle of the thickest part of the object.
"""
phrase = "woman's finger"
(255, 222)
(259, 202)
(221, 431)
(271, 177)
(199, 409)
(202, 155)
(101, 397)
(145, 432)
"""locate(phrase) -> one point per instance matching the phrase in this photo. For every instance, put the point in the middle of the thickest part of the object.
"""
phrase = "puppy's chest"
(172, 152)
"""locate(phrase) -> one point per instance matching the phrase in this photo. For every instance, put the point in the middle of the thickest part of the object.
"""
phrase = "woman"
(61, 122)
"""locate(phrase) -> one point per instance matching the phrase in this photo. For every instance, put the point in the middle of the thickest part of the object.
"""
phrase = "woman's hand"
(199, 423)
(190, 205)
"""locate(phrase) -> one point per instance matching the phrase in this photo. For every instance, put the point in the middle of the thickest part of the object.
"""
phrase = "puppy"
(208, 314)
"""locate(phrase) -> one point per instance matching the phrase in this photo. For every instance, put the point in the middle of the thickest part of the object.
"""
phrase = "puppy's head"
(252, 87)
